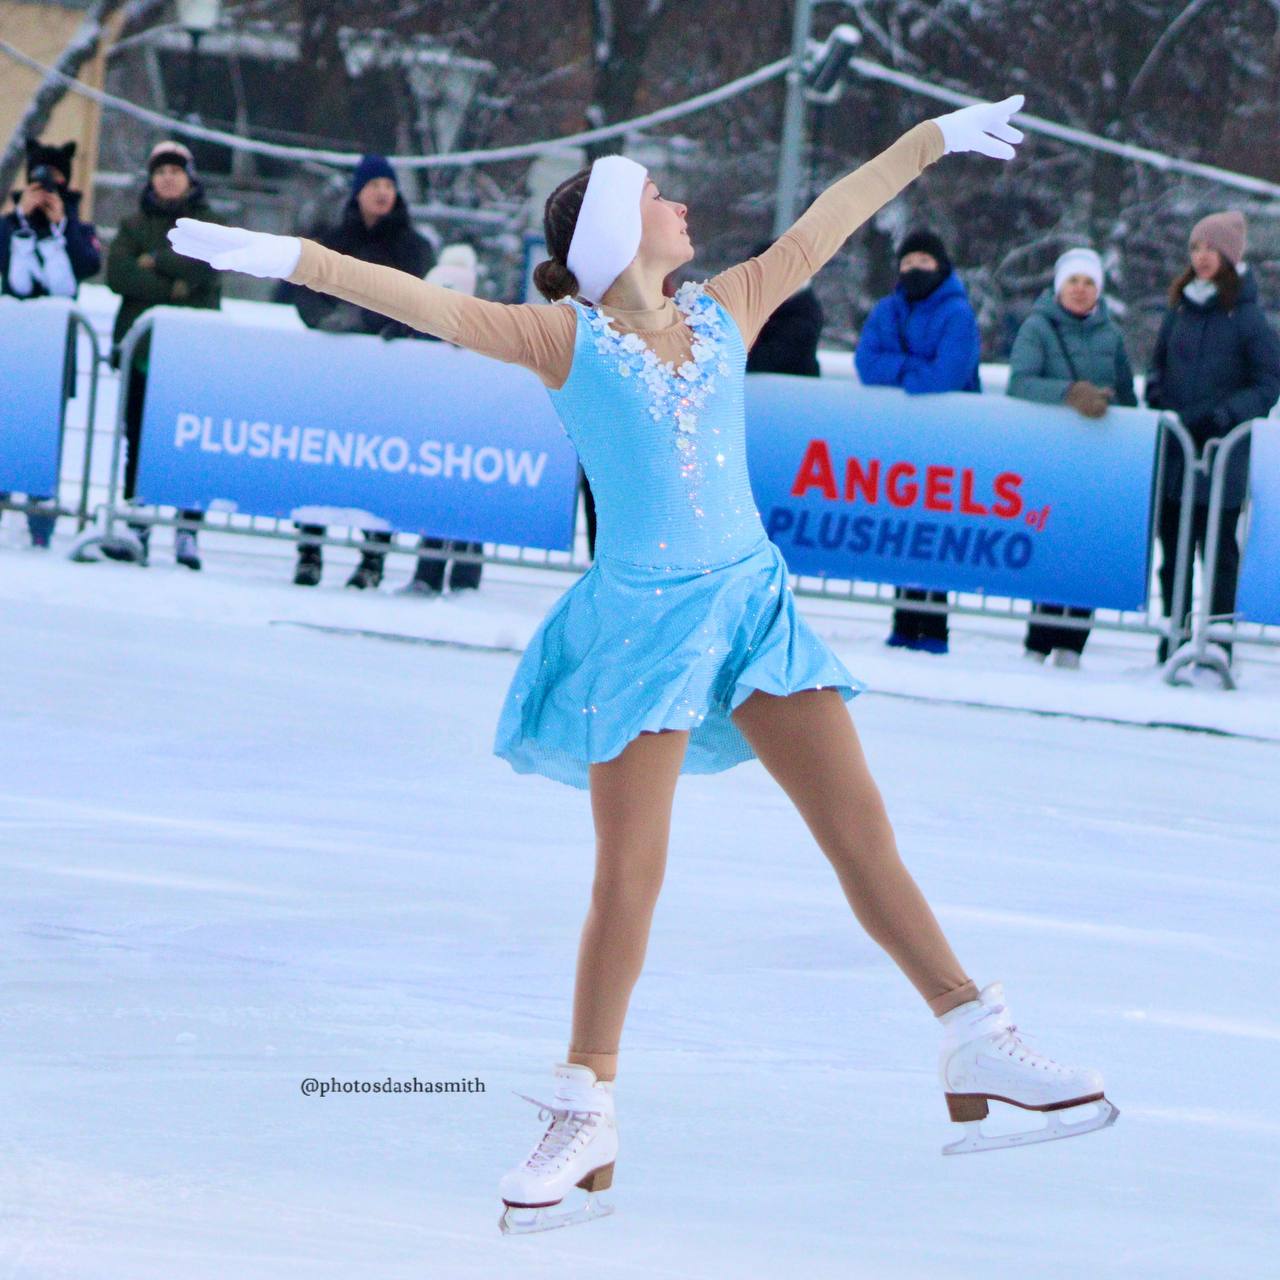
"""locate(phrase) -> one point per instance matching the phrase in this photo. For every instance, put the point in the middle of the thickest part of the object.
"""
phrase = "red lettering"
(967, 505)
(937, 488)
(1007, 485)
(816, 471)
(905, 496)
(856, 478)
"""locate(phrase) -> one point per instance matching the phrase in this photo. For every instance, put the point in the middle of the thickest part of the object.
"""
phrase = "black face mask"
(918, 283)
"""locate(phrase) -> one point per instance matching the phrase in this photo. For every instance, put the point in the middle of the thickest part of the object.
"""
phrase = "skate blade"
(516, 1221)
(1054, 1127)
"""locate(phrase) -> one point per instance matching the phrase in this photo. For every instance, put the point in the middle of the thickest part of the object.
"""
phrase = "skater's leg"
(631, 797)
(808, 743)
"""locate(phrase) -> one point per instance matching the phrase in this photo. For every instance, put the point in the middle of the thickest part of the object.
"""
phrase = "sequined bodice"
(664, 449)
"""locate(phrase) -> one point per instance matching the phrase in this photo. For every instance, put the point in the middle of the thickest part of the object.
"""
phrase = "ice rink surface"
(237, 853)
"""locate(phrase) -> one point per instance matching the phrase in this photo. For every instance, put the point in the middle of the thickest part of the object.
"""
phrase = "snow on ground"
(238, 852)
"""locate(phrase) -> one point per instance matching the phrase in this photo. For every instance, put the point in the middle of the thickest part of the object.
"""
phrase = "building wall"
(43, 31)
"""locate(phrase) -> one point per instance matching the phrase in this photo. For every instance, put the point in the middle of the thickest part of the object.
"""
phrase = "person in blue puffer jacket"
(923, 338)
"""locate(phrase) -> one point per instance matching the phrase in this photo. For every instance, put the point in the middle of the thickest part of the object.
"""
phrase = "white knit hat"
(606, 236)
(456, 269)
(1077, 262)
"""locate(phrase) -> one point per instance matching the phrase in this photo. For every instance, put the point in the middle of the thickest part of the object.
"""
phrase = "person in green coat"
(144, 270)
(1070, 351)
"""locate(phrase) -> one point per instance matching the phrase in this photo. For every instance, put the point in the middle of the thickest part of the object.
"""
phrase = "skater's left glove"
(984, 128)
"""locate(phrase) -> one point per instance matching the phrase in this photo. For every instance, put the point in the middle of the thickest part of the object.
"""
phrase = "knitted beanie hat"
(1077, 262)
(1224, 232)
(923, 241)
(170, 152)
(456, 269)
(370, 167)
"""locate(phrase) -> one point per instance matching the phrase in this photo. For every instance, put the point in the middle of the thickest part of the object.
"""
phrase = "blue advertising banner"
(956, 491)
(33, 354)
(340, 428)
(1258, 595)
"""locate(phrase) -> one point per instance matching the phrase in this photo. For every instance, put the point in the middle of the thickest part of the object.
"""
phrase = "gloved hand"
(1088, 398)
(983, 127)
(234, 249)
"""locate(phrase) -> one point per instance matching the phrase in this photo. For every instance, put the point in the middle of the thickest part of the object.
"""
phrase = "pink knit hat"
(1224, 232)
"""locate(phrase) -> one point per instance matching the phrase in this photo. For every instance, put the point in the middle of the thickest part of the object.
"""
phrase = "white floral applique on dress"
(675, 395)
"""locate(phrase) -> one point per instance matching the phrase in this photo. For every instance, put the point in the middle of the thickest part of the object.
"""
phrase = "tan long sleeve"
(536, 336)
(541, 338)
(754, 289)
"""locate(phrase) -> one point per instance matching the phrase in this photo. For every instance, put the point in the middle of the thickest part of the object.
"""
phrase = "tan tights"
(808, 743)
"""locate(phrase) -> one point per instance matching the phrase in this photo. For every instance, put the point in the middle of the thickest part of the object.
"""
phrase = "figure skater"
(680, 650)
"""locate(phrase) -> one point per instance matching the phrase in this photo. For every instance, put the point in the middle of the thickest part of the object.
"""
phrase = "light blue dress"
(685, 609)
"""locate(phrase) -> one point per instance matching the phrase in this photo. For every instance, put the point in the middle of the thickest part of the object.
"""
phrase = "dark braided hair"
(553, 278)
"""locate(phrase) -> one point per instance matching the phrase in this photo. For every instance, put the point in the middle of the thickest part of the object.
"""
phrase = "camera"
(43, 176)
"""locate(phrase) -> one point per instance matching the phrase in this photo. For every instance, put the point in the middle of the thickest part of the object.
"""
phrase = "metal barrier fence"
(1209, 631)
(53, 505)
(1186, 643)
(116, 514)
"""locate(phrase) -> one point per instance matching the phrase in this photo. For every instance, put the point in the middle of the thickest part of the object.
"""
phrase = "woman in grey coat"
(1070, 351)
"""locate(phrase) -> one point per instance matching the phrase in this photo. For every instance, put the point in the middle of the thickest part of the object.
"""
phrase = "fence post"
(1217, 454)
(1182, 562)
(80, 320)
(104, 532)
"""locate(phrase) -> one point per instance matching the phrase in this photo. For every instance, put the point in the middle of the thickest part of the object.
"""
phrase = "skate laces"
(1007, 1040)
(566, 1125)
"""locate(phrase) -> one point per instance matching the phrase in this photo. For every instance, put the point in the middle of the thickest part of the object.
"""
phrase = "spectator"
(1216, 364)
(45, 251)
(788, 343)
(455, 270)
(145, 272)
(1070, 351)
(374, 227)
(923, 338)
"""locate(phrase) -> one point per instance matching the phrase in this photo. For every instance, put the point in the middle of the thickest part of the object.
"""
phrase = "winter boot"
(309, 568)
(368, 573)
(184, 548)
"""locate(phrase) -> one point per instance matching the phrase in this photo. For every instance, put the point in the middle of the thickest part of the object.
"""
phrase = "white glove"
(983, 127)
(234, 249)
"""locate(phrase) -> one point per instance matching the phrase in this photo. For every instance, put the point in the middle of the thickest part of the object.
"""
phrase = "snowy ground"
(237, 853)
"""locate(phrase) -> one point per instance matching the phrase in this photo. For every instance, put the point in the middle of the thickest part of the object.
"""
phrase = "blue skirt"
(630, 648)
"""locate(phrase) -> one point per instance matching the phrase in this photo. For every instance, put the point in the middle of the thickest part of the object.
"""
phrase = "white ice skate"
(578, 1149)
(983, 1060)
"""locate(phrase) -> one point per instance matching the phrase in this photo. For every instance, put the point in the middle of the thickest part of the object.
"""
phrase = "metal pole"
(80, 319)
(142, 325)
(1182, 566)
(784, 213)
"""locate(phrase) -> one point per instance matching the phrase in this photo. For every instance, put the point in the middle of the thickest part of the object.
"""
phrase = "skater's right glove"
(234, 249)
(983, 127)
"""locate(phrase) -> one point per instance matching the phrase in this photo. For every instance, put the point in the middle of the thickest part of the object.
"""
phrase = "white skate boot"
(983, 1059)
(578, 1149)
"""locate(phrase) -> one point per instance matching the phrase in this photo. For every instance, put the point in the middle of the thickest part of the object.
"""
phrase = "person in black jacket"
(374, 227)
(45, 251)
(1216, 364)
(788, 343)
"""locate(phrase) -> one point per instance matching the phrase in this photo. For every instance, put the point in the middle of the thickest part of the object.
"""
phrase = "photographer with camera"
(45, 251)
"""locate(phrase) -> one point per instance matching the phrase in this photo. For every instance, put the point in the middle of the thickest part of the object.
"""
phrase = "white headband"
(607, 235)
(1083, 262)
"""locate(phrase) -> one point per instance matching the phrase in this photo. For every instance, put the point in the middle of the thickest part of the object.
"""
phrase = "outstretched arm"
(538, 337)
(754, 289)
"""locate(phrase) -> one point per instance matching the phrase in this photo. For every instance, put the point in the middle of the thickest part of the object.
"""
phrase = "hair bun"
(554, 280)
